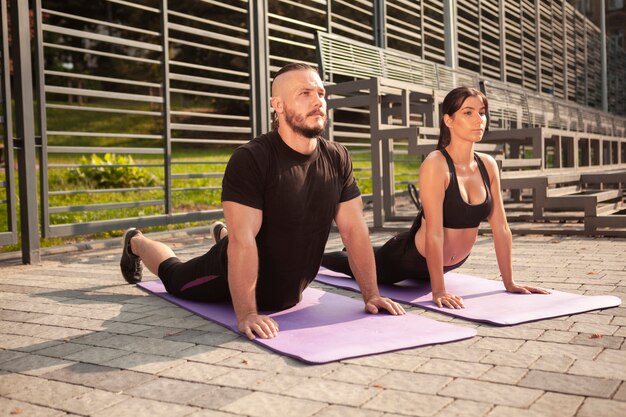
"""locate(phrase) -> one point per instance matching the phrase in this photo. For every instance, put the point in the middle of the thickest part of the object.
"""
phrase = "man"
(280, 193)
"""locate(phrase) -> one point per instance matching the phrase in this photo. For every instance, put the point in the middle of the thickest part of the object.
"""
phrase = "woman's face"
(469, 122)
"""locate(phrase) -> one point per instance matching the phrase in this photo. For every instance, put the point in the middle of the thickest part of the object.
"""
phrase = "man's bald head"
(282, 83)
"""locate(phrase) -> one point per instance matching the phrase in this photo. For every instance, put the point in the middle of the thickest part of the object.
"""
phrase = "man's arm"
(355, 237)
(243, 224)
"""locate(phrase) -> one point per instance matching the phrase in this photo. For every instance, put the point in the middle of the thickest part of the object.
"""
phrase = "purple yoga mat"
(485, 300)
(326, 327)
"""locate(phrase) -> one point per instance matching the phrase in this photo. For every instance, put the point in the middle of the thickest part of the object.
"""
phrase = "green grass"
(186, 160)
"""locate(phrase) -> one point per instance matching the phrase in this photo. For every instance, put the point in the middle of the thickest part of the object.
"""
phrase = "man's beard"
(296, 123)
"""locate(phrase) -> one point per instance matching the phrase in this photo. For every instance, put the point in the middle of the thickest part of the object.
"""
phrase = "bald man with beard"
(280, 194)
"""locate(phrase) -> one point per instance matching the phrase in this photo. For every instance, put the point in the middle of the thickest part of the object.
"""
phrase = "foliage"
(112, 171)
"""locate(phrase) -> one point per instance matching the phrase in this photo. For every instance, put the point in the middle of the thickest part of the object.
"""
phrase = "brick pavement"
(76, 340)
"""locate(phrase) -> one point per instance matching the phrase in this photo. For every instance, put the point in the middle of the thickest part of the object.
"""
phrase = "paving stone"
(410, 403)
(193, 371)
(214, 397)
(18, 408)
(140, 407)
(168, 390)
(206, 354)
(91, 402)
(343, 411)
(97, 355)
(609, 370)
(464, 408)
(49, 393)
(97, 376)
(11, 355)
(258, 380)
(548, 348)
(261, 404)
(514, 359)
(591, 328)
(513, 332)
(594, 407)
(557, 336)
(142, 362)
(459, 353)
(553, 363)
(490, 392)
(506, 411)
(504, 374)
(356, 374)
(611, 342)
(621, 393)
(11, 382)
(454, 368)
(413, 382)
(61, 350)
(393, 361)
(555, 404)
(570, 384)
(34, 364)
(333, 392)
(496, 343)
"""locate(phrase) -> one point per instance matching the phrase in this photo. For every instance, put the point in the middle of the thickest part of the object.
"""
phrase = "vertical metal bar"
(605, 96)
(259, 66)
(538, 43)
(380, 29)
(167, 127)
(39, 82)
(565, 68)
(25, 123)
(503, 56)
(449, 32)
(7, 111)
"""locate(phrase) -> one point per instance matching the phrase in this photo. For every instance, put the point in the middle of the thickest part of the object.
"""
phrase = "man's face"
(304, 104)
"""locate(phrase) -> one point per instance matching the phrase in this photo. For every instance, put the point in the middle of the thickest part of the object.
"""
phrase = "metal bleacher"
(567, 160)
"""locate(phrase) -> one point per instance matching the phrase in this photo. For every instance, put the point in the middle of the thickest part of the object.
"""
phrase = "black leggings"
(204, 278)
(397, 260)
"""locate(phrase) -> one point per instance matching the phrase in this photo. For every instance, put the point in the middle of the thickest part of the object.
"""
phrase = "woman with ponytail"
(458, 189)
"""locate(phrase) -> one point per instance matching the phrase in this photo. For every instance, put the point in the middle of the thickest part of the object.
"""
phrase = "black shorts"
(204, 278)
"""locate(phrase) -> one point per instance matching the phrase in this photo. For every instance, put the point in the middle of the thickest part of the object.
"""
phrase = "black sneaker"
(130, 263)
(216, 231)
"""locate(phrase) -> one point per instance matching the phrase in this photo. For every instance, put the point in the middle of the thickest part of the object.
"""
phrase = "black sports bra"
(457, 214)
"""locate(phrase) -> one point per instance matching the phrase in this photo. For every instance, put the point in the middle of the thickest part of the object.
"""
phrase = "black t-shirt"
(298, 195)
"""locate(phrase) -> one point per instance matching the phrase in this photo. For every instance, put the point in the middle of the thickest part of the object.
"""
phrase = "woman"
(459, 188)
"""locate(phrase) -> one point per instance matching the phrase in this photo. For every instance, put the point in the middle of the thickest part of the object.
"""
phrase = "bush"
(112, 171)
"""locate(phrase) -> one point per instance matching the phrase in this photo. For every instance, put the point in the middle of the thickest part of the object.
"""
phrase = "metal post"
(39, 82)
(538, 43)
(167, 130)
(25, 128)
(7, 113)
(605, 94)
(259, 67)
(379, 23)
(449, 27)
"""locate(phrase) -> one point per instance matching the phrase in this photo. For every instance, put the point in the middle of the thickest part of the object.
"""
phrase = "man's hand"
(448, 300)
(265, 327)
(526, 289)
(377, 302)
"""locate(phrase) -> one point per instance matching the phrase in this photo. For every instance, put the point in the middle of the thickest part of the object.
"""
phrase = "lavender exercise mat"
(485, 300)
(326, 327)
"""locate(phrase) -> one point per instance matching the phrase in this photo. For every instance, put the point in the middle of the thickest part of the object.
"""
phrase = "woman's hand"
(448, 300)
(525, 289)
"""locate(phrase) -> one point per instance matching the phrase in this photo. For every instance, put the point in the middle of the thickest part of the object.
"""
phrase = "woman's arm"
(434, 176)
(502, 236)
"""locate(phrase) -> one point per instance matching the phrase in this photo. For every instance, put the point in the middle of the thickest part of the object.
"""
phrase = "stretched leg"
(151, 252)
(338, 262)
